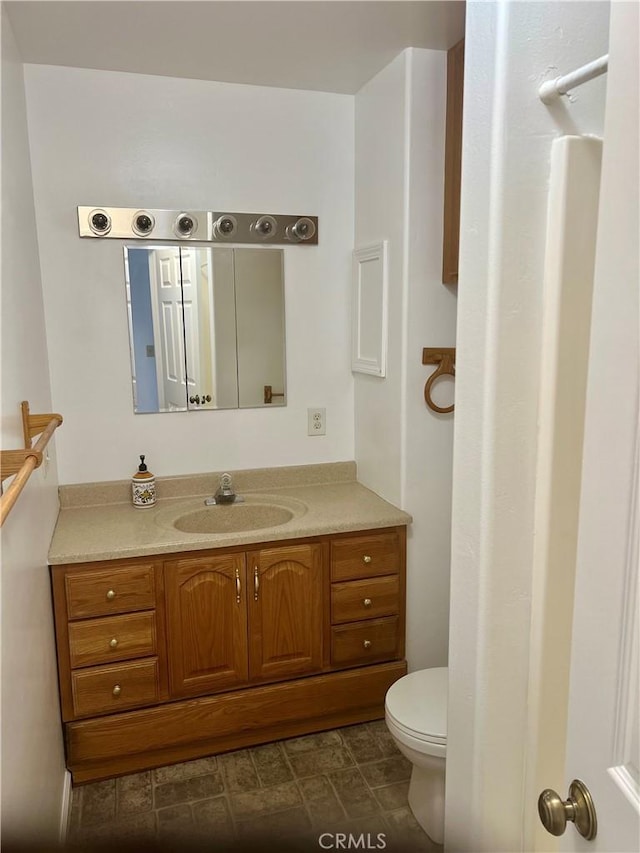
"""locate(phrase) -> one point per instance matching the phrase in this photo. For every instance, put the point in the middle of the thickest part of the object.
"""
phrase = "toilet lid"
(418, 703)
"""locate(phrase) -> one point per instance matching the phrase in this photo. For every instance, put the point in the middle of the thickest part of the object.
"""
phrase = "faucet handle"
(225, 481)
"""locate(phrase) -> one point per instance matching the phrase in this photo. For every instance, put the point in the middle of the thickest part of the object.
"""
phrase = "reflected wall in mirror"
(206, 327)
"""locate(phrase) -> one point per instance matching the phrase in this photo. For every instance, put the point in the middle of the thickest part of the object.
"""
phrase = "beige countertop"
(322, 499)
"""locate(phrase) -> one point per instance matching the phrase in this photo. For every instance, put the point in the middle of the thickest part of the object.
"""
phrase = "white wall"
(403, 449)
(118, 139)
(510, 49)
(380, 214)
(32, 752)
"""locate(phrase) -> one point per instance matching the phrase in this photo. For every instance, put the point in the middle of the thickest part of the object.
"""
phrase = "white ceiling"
(332, 46)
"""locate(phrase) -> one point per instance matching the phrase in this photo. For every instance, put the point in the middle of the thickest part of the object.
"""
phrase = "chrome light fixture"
(216, 226)
(225, 227)
(99, 222)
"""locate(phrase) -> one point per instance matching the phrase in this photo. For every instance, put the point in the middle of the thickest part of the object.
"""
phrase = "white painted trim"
(376, 365)
(65, 810)
(406, 189)
(628, 665)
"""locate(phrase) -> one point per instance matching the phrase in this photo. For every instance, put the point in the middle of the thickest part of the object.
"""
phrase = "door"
(199, 385)
(603, 718)
(207, 624)
(285, 611)
(166, 293)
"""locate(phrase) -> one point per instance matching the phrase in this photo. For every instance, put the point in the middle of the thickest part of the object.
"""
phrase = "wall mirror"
(206, 327)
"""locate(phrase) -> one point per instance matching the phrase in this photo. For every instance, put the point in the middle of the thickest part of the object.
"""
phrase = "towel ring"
(445, 358)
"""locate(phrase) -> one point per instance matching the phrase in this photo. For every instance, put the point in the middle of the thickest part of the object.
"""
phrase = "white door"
(603, 724)
(190, 293)
(168, 327)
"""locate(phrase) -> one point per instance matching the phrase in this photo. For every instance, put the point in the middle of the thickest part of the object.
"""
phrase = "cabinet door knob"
(111, 595)
(238, 586)
(117, 690)
(256, 583)
(114, 643)
(366, 559)
(367, 644)
(367, 602)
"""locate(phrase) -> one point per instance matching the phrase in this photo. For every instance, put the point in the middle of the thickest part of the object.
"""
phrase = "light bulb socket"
(265, 226)
(303, 229)
(143, 223)
(99, 222)
(225, 227)
(185, 225)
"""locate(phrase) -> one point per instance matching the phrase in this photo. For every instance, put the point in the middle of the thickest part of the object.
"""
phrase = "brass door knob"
(367, 602)
(111, 595)
(117, 690)
(114, 643)
(366, 559)
(578, 808)
(367, 644)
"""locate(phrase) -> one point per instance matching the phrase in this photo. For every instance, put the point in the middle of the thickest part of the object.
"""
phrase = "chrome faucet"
(224, 493)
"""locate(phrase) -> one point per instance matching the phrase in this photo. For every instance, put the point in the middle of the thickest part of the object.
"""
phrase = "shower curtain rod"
(552, 89)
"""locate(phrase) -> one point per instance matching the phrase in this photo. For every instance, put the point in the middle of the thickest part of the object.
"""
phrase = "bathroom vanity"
(174, 644)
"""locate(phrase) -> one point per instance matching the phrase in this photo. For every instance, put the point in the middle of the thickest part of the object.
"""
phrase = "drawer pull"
(367, 602)
(238, 586)
(366, 559)
(117, 690)
(114, 643)
(110, 595)
(256, 583)
(367, 644)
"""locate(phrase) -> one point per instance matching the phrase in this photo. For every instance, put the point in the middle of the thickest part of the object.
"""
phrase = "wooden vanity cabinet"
(181, 656)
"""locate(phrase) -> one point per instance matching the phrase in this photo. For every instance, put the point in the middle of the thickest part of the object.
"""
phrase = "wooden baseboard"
(181, 731)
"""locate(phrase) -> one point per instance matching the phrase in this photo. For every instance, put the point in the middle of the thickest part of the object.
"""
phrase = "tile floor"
(280, 796)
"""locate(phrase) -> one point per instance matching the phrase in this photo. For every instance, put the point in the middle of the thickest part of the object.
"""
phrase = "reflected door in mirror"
(206, 327)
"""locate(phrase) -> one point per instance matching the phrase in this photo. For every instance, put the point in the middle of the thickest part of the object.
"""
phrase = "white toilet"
(416, 716)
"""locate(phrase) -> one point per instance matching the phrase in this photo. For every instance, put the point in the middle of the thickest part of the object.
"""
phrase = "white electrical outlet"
(316, 421)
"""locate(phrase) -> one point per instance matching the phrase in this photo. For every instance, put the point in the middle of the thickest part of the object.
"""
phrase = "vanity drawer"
(109, 689)
(365, 642)
(113, 638)
(365, 556)
(119, 590)
(365, 599)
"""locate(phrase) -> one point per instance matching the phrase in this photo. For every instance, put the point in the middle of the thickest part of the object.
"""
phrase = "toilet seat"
(416, 707)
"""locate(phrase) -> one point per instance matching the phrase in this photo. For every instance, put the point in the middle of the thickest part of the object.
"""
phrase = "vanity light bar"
(200, 225)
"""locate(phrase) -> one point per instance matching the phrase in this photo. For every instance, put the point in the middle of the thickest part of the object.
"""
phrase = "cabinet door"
(207, 624)
(285, 611)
